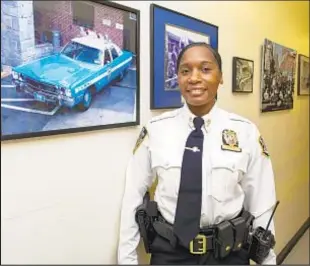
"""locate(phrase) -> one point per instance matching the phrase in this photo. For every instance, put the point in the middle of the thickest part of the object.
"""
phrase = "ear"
(221, 80)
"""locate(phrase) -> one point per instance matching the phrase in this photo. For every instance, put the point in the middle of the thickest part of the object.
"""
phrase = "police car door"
(108, 64)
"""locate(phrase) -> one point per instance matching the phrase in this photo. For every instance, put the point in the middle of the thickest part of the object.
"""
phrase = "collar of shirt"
(189, 116)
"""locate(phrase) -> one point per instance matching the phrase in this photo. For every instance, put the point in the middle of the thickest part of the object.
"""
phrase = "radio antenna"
(273, 212)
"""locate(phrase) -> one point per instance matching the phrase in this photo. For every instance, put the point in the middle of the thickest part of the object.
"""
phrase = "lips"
(196, 91)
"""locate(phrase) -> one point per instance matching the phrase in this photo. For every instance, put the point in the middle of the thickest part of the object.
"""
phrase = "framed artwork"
(303, 80)
(68, 66)
(170, 33)
(277, 77)
(243, 70)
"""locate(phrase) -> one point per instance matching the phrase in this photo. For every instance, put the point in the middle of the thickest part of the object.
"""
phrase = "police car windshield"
(83, 53)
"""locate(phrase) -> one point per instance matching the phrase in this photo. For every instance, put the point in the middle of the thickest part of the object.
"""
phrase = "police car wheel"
(86, 101)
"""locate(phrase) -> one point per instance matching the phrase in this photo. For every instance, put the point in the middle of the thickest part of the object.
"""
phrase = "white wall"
(61, 195)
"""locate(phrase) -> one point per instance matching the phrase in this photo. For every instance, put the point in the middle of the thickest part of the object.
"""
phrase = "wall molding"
(290, 245)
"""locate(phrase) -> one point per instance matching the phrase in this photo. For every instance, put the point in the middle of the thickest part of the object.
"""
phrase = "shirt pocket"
(167, 167)
(225, 178)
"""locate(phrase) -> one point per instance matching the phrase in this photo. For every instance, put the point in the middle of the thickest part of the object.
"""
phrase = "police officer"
(210, 165)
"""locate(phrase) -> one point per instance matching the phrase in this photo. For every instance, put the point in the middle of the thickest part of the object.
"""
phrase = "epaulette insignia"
(230, 141)
(142, 135)
(263, 146)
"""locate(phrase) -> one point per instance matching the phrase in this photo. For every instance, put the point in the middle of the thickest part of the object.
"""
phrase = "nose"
(194, 77)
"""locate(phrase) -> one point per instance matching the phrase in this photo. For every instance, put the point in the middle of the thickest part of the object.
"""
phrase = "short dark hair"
(215, 53)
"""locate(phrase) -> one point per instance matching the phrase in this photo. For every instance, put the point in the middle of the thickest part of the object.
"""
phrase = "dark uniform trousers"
(164, 253)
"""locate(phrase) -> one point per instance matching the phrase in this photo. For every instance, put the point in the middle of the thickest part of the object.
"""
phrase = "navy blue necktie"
(188, 212)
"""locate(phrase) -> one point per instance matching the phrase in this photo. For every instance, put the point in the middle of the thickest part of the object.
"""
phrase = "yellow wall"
(57, 192)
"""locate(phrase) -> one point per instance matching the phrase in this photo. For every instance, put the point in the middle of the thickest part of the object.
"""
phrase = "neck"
(202, 109)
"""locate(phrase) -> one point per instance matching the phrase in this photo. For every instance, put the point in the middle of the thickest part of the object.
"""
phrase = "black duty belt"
(201, 244)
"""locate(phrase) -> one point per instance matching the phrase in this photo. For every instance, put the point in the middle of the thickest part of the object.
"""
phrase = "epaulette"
(164, 116)
(238, 118)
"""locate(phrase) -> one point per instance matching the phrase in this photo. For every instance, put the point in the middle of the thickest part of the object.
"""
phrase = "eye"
(205, 69)
(184, 71)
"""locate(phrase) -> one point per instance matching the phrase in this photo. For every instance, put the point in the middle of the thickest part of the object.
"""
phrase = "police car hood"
(57, 69)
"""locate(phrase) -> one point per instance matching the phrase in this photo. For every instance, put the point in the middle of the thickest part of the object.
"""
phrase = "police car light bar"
(91, 33)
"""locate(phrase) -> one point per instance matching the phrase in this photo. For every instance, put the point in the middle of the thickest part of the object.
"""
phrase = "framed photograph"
(277, 77)
(68, 66)
(170, 33)
(243, 70)
(303, 80)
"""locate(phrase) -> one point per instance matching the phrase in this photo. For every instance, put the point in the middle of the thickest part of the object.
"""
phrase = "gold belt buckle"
(201, 240)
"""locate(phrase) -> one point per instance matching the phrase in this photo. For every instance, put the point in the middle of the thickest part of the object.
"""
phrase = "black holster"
(145, 215)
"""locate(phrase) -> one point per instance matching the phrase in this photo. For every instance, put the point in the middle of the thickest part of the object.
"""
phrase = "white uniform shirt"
(231, 179)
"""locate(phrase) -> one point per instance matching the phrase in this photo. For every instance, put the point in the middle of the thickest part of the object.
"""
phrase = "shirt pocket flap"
(166, 160)
(218, 164)
(231, 165)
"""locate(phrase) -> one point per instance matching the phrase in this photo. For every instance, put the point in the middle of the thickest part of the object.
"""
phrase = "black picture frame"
(278, 68)
(165, 24)
(112, 108)
(303, 78)
(242, 82)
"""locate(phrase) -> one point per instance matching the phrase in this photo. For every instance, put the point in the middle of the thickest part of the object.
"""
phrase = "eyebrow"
(203, 62)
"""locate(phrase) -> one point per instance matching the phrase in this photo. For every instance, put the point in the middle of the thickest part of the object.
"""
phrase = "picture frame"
(242, 75)
(170, 32)
(278, 80)
(75, 67)
(303, 78)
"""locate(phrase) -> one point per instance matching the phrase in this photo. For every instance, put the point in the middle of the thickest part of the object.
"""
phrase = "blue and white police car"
(71, 77)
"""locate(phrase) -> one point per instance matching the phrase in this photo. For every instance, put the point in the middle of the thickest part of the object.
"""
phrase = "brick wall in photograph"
(58, 15)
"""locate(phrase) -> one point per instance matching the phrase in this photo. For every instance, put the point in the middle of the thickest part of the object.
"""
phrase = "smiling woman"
(205, 201)
(199, 75)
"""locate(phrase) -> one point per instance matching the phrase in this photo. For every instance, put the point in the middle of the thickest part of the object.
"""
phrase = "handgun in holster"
(145, 215)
